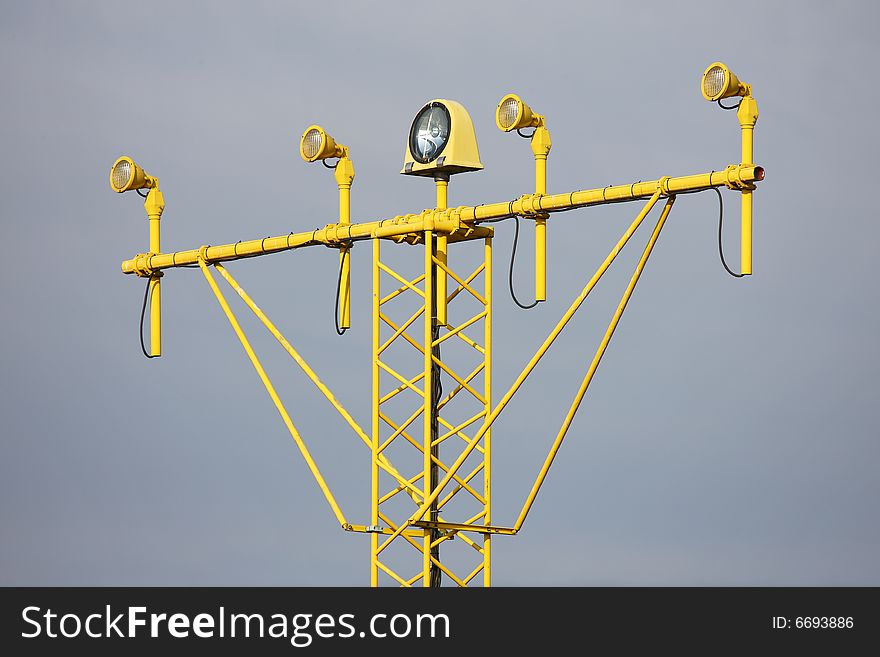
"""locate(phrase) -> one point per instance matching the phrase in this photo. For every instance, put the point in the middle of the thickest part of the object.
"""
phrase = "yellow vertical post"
(155, 205)
(374, 464)
(439, 280)
(541, 145)
(487, 393)
(748, 117)
(429, 408)
(442, 182)
(344, 178)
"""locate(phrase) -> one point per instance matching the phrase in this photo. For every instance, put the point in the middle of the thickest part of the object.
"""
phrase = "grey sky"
(730, 436)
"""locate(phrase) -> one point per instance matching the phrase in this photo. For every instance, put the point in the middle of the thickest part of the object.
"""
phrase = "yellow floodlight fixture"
(441, 141)
(316, 144)
(125, 175)
(719, 82)
(513, 114)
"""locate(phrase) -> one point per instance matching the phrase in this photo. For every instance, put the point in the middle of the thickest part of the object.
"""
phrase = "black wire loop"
(339, 331)
(720, 248)
(510, 274)
(729, 107)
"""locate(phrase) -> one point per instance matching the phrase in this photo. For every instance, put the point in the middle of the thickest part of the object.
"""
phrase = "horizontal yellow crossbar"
(741, 176)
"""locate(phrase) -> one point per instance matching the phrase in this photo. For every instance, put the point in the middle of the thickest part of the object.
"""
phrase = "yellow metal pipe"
(344, 288)
(446, 221)
(374, 420)
(461, 327)
(541, 145)
(747, 114)
(383, 461)
(316, 473)
(400, 290)
(457, 430)
(540, 174)
(428, 412)
(155, 205)
(487, 409)
(442, 183)
(156, 316)
(313, 377)
(401, 279)
(594, 365)
(464, 284)
(344, 174)
(470, 377)
(534, 361)
(540, 259)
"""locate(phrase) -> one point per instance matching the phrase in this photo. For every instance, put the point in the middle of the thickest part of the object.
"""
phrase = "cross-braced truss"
(429, 423)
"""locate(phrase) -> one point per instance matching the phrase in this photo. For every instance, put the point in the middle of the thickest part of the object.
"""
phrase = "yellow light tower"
(315, 145)
(513, 114)
(125, 175)
(720, 82)
(421, 503)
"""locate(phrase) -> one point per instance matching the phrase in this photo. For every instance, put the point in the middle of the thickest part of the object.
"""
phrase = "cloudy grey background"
(730, 436)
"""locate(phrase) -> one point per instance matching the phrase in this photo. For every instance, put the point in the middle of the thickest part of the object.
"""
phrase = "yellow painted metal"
(258, 312)
(381, 461)
(313, 468)
(523, 116)
(748, 117)
(326, 147)
(453, 469)
(464, 437)
(453, 221)
(374, 421)
(460, 153)
(155, 206)
(487, 409)
(731, 85)
(429, 408)
(541, 145)
(442, 183)
(130, 176)
(593, 366)
(344, 177)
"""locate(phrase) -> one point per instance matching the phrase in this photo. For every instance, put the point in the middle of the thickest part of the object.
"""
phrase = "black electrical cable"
(324, 162)
(336, 310)
(720, 223)
(731, 107)
(510, 275)
(523, 135)
(143, 312)
(141, 195)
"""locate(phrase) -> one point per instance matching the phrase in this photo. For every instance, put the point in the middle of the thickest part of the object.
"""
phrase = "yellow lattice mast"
(430, 433)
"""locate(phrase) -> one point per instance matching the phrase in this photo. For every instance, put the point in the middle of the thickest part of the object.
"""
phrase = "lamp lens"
(715, 81)
(508, 113)
(429, 133)
(312, 143)
(121, 174)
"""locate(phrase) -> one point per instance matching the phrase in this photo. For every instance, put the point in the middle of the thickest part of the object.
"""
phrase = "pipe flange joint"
(203, 253)
(663, 185)
(142, 266)
(530, 205)
(733, 178)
